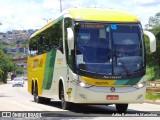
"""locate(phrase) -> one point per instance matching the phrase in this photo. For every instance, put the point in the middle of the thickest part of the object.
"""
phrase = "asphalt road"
(18, 99)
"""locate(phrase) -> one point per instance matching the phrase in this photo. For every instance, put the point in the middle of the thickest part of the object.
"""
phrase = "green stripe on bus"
(49, 68)
(132, 81)
(120, 82)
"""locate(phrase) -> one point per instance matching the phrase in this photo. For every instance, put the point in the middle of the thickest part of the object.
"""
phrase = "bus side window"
(33, 46)
(60, 46)
(57, 36)
(41, 46)
(47, 40)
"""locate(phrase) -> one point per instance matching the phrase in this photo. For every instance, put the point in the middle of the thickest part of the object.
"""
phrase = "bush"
(153, 73)
(152, 96)
(150, 73)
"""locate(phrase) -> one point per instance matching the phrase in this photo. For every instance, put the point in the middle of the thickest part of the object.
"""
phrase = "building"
(16, 35)
(17, 50)
(1, 36)
(21, 62)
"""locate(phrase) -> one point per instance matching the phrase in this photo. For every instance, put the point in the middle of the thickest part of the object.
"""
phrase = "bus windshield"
(110, 49)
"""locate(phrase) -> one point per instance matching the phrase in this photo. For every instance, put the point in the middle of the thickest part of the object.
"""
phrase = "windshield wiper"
(122, 63)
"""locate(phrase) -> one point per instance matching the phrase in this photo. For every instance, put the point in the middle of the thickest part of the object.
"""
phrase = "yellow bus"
(89, 56)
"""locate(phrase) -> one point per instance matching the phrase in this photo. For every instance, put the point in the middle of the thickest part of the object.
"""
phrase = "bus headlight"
(85, 85)
(140, 85)
(82, 84)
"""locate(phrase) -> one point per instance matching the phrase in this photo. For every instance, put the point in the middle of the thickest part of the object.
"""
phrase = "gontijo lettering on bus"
(37, 63)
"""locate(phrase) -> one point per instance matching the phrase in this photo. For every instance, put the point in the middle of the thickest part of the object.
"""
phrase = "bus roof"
(94, 14)
(97, 14)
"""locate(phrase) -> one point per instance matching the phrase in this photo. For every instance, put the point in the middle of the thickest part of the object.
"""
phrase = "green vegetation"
(153, 59)
(152, 96)
(6, 65)
(152, 73)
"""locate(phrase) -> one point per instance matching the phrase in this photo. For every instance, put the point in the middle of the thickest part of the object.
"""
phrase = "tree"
(1, 74)
(153, 60)
(6, 66)
(154, 21)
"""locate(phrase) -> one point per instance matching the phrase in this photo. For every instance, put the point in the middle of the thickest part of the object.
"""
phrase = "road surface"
(18, 99)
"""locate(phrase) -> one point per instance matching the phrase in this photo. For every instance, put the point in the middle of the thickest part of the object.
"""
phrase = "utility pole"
(46, 19)
(60, 6)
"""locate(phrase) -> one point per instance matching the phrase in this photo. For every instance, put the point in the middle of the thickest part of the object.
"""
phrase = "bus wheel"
(121, 107)
(65, 104)
(36, 97)
(47, 100)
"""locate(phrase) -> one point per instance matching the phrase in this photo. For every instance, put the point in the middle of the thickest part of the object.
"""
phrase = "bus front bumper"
(96, 96)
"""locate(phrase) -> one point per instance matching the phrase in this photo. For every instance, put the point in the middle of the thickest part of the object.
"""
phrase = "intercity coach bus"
(89, 56)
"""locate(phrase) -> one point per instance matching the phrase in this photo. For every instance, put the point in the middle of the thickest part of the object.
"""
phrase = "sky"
(33, 14)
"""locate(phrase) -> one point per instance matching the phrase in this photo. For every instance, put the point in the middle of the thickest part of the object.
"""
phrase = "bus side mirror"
(152, 40)
(70, 38)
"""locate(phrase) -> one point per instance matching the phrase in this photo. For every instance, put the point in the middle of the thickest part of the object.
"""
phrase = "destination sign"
(101, 26)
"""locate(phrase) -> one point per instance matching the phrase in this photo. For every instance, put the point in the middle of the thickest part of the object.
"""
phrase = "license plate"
(112, 97)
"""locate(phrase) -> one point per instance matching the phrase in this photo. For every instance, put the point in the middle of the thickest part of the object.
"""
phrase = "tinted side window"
(51, 38)
(56, 36)
(33, 43)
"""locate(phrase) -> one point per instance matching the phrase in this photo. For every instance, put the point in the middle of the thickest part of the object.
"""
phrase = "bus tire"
(47, 100)
(37, 98)
(121, 107)
(65, 104)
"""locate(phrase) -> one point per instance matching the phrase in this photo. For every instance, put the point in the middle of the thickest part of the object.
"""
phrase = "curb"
(153, 101)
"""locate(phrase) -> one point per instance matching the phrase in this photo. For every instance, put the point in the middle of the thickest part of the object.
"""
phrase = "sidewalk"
(153, 101)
